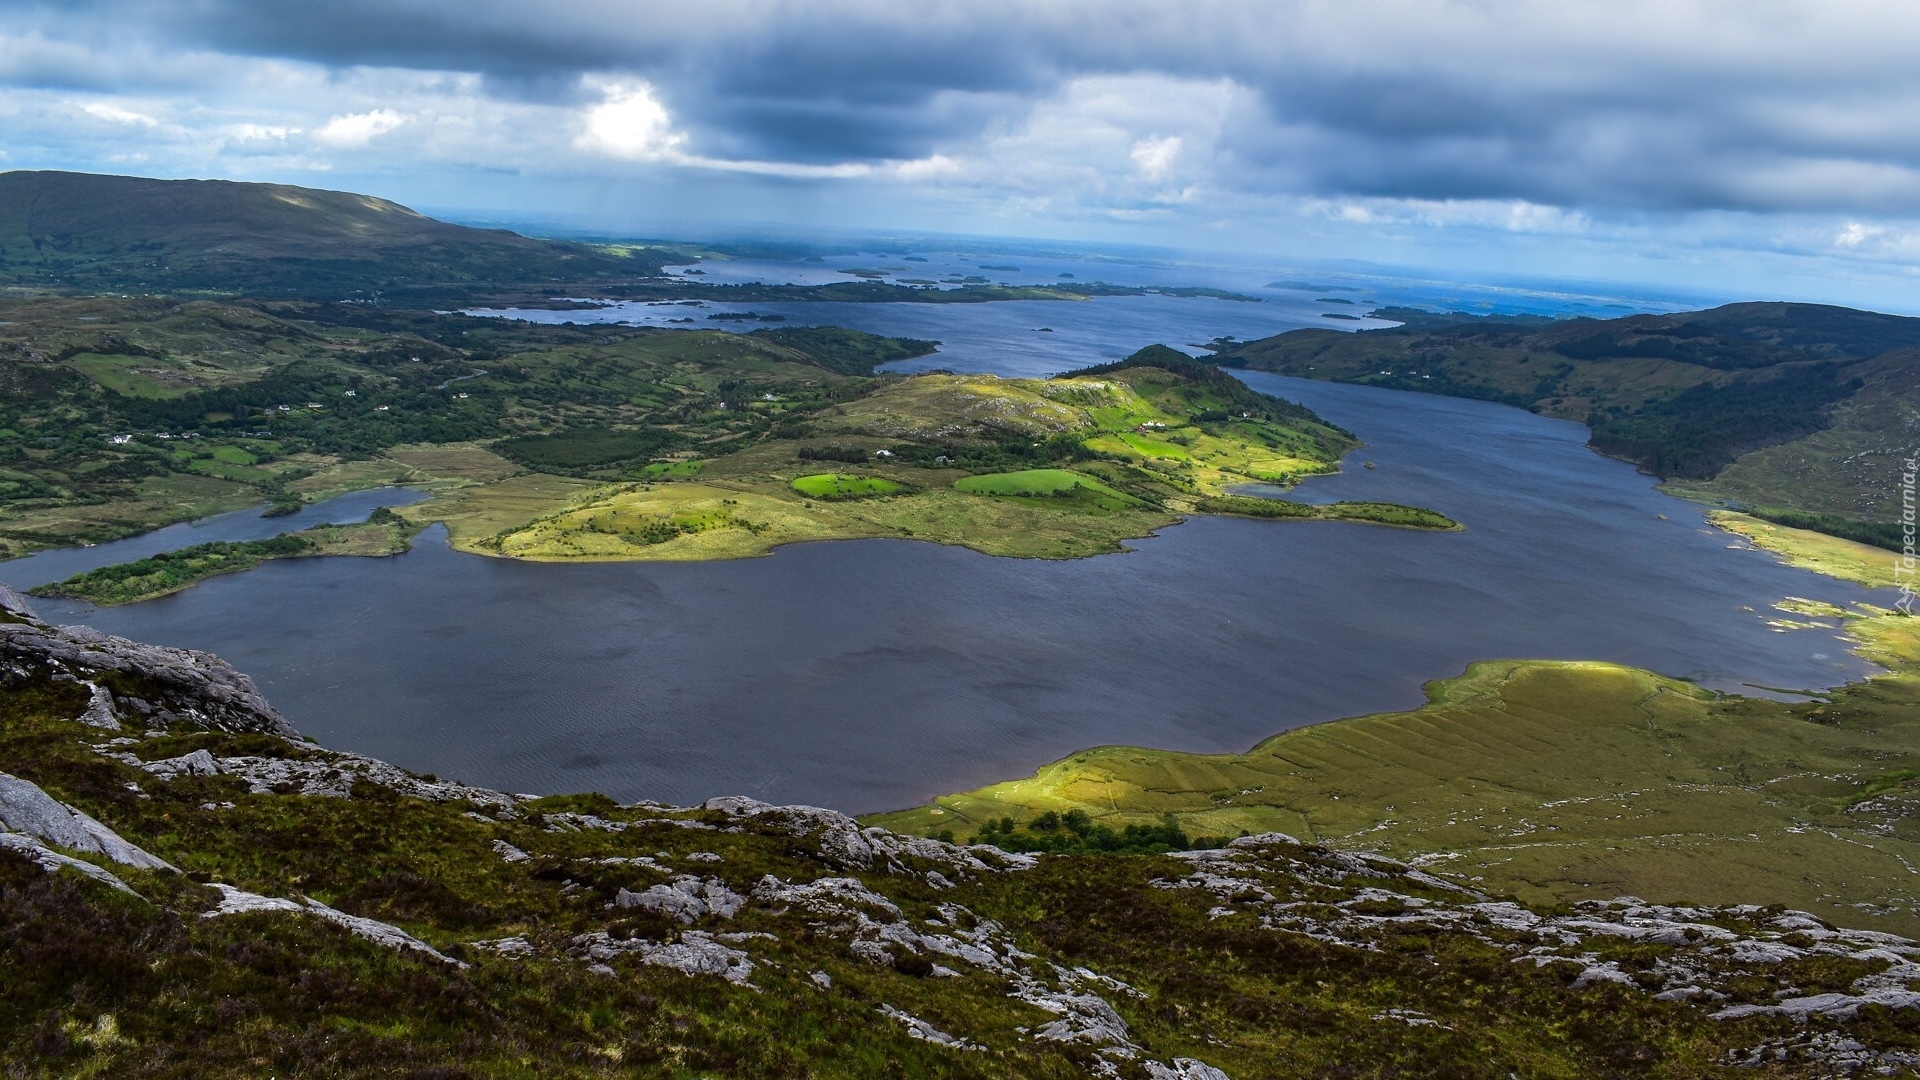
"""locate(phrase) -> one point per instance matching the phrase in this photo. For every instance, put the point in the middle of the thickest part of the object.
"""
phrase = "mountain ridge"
(82, 230)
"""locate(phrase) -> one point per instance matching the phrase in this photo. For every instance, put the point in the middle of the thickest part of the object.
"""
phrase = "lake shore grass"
(1830, 555)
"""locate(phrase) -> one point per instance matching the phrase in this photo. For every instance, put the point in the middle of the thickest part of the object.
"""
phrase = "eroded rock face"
(52, 861)
(182, 685)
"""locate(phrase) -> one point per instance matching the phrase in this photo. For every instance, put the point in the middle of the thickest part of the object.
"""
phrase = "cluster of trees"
(1413, 517)
(846, 352)
(1006, 455)
(1697, 432)
(585, 448)
(848, 454)
(1076, 833)
(1880, 534)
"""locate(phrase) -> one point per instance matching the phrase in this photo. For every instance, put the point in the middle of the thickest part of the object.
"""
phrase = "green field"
(1063, 484)
(844, 486)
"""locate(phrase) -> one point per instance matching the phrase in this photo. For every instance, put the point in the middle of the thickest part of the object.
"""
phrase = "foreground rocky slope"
(186, 887)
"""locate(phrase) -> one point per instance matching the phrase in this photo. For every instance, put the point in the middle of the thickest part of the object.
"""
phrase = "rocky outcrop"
(686, 898)
(328, 773)
(696, 953)
(175, 685)
(27, 810)
(238, 902)
(52, 861)
(839, 837)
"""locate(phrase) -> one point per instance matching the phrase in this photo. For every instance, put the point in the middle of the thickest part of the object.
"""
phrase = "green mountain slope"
(1683, 396)
(84, 231)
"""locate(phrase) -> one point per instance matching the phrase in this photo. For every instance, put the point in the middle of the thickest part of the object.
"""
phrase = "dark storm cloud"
(1759, 105)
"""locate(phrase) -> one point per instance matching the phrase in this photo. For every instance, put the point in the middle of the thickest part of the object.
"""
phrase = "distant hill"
(122, 233)
(1684, 395)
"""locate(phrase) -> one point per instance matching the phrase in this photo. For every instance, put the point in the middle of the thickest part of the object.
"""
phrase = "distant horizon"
(850, 240)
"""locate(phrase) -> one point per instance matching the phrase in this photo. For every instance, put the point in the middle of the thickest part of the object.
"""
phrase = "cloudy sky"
(1731, 147)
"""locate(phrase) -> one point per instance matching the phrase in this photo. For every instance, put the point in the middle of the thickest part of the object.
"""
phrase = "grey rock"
(26, 809)
(119, 850)
(926, 1032)
(686, 898)
(509, 853)
(198, 763)
(1184, 1069)
(513, 948)
(52, 861)
(100, 709)
(14, 605)
(695, 953)
(839, 837)
(191, 685)
(237, 902)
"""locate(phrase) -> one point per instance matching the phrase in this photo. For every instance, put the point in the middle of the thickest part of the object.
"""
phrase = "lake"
(870, 675)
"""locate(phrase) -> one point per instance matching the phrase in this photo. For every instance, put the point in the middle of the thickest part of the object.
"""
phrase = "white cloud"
(630, 123)
(1856, 234)
(104, 110)
(358, 129)
(1506, 215)
(1154, 157)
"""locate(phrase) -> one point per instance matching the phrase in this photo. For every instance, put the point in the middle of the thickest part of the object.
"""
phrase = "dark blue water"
(872, 674)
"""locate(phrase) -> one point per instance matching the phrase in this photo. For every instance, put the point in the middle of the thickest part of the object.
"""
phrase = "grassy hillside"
(90, 232)
(120, 415)
(1783, 406)
(244, 903)
(568, 442)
